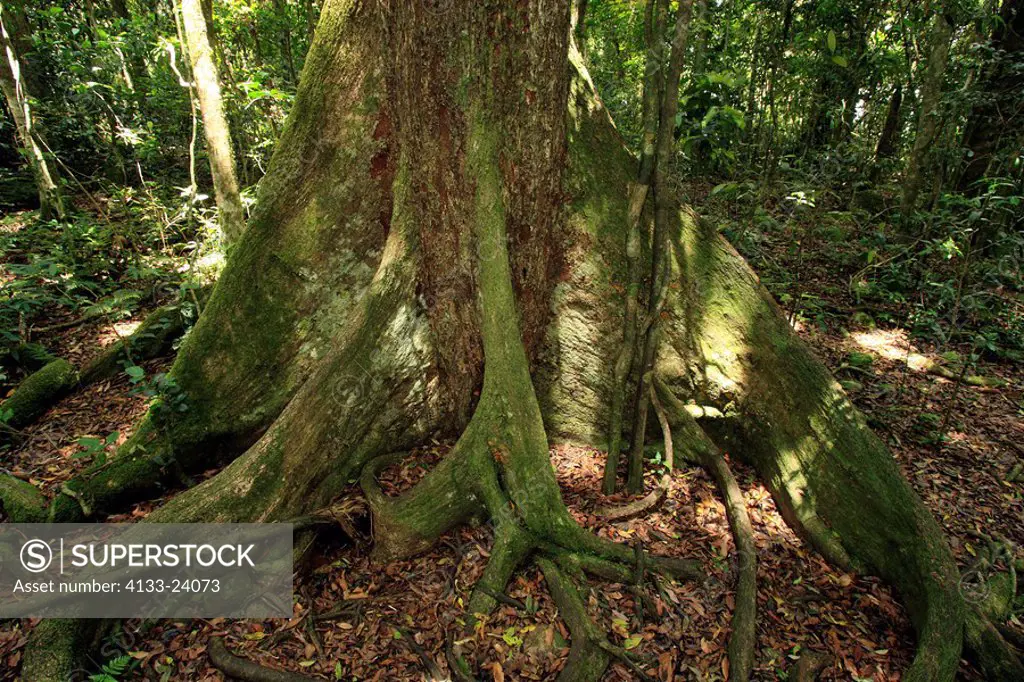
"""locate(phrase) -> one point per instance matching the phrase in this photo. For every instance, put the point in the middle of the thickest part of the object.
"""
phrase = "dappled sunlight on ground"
(891, 344)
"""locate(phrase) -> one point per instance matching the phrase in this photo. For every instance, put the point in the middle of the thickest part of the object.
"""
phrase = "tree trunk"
(652, 87)
(928, 115)
(999, 110)
(281, 13)
(16, 95)
(665, 204)
(436, 251)
(215, 125)
(886, 147)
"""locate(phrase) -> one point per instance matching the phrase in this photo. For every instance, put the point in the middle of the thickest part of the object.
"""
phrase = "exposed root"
(144, 465)
(247, 671)
(645, 504)
(57, 648)
(833, 480)
(587, 659)
(457, 665)
(21, 501)
(36, 394)
(434, 673)
(810, 666)
(511, 547)
(153, 338)
(990, 594)
(45, 387)
(411, 523)
(744, 620)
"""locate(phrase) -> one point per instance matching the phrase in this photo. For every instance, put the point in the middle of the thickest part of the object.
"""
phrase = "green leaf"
(840, 60)
(831, 41)
(511, 638)
(135, 372)
(337, 671)
(632, 642)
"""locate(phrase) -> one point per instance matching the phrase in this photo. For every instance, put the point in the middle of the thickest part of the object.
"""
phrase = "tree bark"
(994, 121)
(928, 115)
(16, 95)
(665, 204)
(887, 139)
(215, 125)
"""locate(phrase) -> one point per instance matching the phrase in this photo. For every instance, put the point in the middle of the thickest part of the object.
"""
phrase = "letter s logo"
(36, 556)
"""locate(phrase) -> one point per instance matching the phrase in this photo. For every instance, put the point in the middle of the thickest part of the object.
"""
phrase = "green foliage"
(95, 449)
(90, 269)
(114, 670)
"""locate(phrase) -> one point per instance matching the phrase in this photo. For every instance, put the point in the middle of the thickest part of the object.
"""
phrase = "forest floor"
(356, 621)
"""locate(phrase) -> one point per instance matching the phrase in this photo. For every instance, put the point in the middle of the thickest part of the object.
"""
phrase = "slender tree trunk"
(16, 95)
(929, 116)
(281, 11)
(770, 153)
(579, 25)
(652, 89)
(215, 125)
(665, 206)
(887, 140)
(702, 33)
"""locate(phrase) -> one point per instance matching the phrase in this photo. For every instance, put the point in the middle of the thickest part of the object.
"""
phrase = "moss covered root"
(831, 477)
(21, 501)
(37, 393)
(58, 647)
(153, 338)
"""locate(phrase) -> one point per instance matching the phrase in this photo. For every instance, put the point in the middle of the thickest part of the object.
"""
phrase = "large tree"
(438, 249)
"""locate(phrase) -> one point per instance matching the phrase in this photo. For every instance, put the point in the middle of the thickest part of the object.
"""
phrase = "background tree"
(17, 97)
(929, 116)
(215, 124)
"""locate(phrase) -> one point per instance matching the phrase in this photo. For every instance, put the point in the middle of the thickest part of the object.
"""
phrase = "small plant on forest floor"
(160, 385)
(96, 448)
(114, 670)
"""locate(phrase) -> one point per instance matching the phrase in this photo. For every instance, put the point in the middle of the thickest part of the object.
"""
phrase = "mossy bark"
(37, 393)
(21, 501)
(832, 478)
(290, 287)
